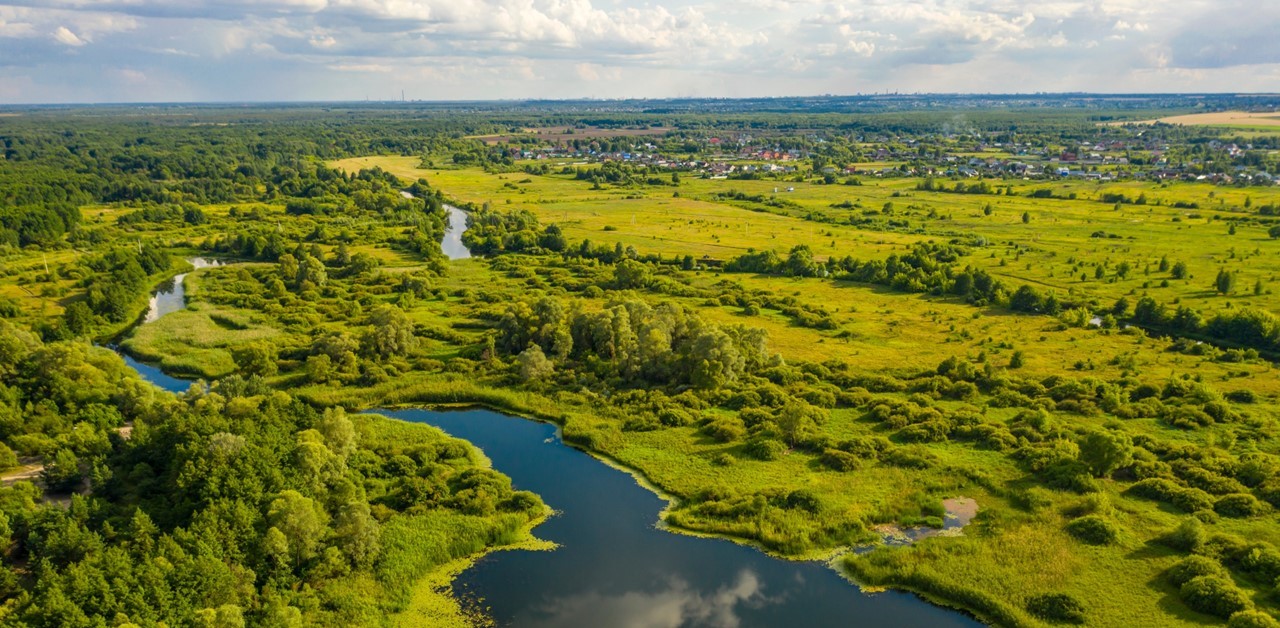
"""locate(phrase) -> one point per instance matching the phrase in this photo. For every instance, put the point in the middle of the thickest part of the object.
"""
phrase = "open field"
(1220, 118)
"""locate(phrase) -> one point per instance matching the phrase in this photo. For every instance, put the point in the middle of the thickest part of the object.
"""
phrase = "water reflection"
(676, 606)
(452, 243)
(614, 567)
(171, 296)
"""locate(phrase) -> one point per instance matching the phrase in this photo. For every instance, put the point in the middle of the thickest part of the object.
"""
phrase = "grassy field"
(1059, 247)
(1018, 548)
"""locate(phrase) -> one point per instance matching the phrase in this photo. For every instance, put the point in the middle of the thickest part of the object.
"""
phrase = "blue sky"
(266, 50)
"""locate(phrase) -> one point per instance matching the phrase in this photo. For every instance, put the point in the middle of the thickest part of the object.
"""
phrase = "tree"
(225, 616)
(338, 431)
(1026, 217)
(534, 365)
(631, 274)
(1025, 299)
(1017, 360)
(311, 271)
(1121, 307)
(288, 267)
(1179, 270)
(391, 335)
(1225, 282)
(797, 420)
(357, 533)
(256, 358)
(78, 318)
(301, 521)
(800, 262)
(62, 474)
(319, 368)
(1105, 451)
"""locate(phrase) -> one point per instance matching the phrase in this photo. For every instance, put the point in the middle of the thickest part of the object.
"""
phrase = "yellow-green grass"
(1000, 555)
(200, 339)
(1059, 229)
(650, 219)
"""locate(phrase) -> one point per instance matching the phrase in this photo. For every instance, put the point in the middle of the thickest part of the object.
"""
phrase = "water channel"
(614, 566)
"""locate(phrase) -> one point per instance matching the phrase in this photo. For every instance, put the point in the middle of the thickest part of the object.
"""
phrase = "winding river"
(614, 566)
(452, 243)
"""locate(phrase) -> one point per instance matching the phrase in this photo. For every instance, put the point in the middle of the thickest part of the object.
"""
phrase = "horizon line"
(625, 99)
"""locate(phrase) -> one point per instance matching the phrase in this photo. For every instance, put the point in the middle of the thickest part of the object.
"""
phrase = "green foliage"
(1214, 595)
(1094, 530)
(1252, 619)
(1057, 607)
(1193, 567)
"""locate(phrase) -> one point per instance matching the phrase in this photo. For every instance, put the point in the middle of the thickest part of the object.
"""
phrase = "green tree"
(225, 616)
(1105, 451)
(1225, 282)
(63, 474)
(256, 358)
(288, 267)
(631, 274)
(1026, 217)
(301, 521)
(800, 262)
(534, 365)
(78, 318)
(338, 431)
(1017, 360)
(391, 335)
(797, 420)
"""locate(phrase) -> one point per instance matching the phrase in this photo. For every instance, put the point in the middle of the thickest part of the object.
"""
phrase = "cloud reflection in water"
(673, 607)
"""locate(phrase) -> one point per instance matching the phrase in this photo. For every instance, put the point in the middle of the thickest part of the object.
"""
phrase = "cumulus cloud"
(562, 48)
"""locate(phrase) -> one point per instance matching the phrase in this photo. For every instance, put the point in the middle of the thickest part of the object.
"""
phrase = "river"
(452, 243)
(614, 566)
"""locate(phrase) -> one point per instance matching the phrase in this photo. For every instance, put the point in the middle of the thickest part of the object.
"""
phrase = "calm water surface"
(452, 243)
(172, 295)
(614, 567)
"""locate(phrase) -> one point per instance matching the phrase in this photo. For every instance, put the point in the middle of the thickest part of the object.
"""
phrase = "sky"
(84, 51)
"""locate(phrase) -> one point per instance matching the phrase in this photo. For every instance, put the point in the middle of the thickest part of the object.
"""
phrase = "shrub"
(1261, 561)
(910, 458)
(1252, 619)
(840, 460)
(1189, 536)
(1193, 567)
(803, 499)
(8, 459)
(1056, 607)
(1093, 530)
(764, 448)
(725, 430)
(1214, 595)
(1240, 505)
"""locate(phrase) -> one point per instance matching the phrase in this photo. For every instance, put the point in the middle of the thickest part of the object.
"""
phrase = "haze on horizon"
(59, 51)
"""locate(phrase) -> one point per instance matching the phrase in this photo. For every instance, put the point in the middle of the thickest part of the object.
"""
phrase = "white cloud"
(560, 48)
(64, 36)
